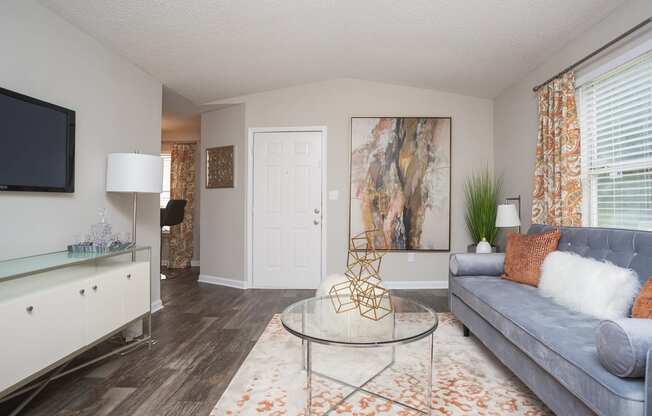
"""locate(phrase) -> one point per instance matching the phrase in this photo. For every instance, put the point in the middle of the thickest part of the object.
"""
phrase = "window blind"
(167, 165)
(615, 112)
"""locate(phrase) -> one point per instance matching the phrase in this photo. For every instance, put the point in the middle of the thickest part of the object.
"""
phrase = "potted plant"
(481, 196)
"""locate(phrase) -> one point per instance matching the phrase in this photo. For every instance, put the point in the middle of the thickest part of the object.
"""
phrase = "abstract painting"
(400, 181)
(220, 167)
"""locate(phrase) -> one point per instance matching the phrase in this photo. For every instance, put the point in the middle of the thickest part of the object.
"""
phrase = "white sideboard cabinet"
(56, 306)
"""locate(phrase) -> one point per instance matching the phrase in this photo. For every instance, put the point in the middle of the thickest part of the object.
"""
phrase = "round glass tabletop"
(316, 319)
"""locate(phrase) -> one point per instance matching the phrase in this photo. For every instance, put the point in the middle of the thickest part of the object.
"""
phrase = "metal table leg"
(38, 390)
(429, 382)
(309, 375)
(427, 408)
(303, 341)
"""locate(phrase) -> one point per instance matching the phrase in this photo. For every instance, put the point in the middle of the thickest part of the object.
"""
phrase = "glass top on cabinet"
(24, 266)
(316, 319)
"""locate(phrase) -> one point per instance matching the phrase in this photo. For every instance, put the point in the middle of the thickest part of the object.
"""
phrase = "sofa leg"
(465, 331)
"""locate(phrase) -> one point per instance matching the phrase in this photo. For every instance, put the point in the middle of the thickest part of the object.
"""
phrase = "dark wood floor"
(203, 335)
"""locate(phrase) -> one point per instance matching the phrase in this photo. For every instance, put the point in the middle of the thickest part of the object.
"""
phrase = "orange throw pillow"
(643, 305)
(525, 254)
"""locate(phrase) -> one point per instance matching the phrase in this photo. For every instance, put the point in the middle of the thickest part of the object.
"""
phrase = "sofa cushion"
(559, 340)
(623, 345)
(624, 248)
(472, 264)
(597, 288)
(525, 253)
(643, 304)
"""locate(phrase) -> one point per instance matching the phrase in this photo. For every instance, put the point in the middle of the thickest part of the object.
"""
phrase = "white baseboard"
(285, 287)
(416, 284)
(193, 263)
(157, 306)
(223, 281)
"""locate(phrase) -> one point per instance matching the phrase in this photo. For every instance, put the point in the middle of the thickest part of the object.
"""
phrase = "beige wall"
(181, 118)
(515, 122)
(118, 110)
(332, 104)
(223, 220)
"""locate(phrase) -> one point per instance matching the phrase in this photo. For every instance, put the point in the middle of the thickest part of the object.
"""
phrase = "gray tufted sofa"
(550, 348)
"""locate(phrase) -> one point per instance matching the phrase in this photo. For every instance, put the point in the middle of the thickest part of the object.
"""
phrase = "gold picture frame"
(220, 167)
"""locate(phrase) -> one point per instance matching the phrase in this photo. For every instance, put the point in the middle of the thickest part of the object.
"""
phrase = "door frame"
(249, 231)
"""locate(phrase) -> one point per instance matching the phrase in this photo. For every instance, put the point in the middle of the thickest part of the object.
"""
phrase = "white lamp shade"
(507, 216)
(134, 172)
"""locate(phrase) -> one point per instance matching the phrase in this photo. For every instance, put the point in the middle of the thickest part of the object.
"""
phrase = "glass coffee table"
(389, 359)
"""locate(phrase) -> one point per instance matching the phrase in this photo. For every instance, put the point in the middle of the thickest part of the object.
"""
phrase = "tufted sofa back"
(624, 248)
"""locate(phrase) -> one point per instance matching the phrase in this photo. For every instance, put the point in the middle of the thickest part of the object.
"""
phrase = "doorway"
(287, 246)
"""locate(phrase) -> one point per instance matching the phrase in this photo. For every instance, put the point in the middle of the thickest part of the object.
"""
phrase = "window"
(165, 195)
(615, 112)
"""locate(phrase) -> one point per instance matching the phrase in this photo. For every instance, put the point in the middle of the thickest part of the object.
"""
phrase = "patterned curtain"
(557, 195)
(182, 186)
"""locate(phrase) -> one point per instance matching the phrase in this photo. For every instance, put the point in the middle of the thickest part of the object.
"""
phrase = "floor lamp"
(134, 173)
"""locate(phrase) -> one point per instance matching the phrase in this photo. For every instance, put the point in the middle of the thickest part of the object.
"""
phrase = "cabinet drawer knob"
(95, 287)
(129, 276)
(82, 291)
(29, 309)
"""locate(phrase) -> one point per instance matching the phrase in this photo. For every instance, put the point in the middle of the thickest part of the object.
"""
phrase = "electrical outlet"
(412, 257)
(334, 195)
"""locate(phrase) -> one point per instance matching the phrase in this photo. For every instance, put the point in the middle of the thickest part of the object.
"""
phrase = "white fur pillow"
(596, 288)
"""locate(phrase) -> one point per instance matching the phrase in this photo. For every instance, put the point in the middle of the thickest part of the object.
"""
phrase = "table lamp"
(507, 216)
(134, 173)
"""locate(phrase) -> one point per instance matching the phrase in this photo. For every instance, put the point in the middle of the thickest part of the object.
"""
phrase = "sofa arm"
(471, 264)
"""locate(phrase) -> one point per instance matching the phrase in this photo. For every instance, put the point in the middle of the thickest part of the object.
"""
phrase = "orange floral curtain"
(557, 195)
(182, 186)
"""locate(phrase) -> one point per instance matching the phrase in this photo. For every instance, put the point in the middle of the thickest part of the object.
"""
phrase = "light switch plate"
(334, 195)
(412, 257)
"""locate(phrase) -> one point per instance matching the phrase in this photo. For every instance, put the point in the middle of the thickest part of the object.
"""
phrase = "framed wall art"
(220, 167)
(401, 181)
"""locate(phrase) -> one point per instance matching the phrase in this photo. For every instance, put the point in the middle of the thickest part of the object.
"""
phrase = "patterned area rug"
(467, 379)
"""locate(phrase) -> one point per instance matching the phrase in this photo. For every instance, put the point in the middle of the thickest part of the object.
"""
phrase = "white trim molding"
(223, 281)
(157, 305)
(397, 284)
(416, 284)
(250, 195)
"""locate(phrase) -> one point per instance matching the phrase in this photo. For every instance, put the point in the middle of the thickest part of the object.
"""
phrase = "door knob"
(29, 309)
(129, 276)
(82, 291)
(316, 222)
(95, 287)
(316, 211)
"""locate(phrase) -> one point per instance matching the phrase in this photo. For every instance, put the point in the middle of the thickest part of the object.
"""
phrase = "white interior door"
(287, 209)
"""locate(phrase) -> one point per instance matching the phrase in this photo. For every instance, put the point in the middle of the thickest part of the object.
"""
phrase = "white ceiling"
(214, 49)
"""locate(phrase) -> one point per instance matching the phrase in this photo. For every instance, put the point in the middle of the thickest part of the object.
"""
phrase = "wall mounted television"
(37, 145)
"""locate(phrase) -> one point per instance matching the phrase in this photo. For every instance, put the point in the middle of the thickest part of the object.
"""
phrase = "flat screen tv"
(37, 145)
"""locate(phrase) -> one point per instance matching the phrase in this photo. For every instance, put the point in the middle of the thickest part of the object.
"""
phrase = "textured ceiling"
(214, 49)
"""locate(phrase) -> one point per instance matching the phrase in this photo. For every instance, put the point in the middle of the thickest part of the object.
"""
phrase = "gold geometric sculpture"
(362, 289)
